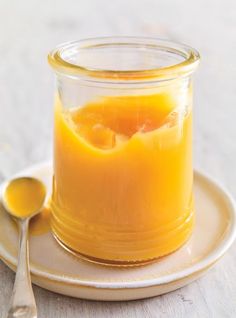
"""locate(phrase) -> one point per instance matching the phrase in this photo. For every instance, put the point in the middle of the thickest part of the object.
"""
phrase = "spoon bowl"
(24, 197)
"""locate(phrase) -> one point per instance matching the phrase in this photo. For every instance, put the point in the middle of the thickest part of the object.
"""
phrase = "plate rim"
(198, 267)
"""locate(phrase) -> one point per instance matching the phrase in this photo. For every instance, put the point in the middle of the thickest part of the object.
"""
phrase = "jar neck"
(117, 60)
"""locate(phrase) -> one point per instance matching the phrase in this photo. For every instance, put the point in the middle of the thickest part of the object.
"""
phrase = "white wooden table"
(30, 28)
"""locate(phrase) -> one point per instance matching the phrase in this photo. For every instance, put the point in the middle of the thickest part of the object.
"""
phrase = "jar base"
(111, 263)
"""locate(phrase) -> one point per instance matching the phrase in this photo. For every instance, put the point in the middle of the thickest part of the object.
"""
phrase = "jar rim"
(185, 67)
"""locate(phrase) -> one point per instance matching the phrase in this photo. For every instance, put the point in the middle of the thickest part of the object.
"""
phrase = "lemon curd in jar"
(123, 176)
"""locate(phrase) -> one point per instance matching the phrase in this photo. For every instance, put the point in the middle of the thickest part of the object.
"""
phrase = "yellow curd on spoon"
(24, 196)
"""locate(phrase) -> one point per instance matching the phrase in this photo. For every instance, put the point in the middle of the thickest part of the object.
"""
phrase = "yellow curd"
(122, 189)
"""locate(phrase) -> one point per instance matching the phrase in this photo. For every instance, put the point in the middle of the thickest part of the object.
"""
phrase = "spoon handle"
(22, 302)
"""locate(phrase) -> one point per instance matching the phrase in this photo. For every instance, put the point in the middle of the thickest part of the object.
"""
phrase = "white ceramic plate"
(55, 269)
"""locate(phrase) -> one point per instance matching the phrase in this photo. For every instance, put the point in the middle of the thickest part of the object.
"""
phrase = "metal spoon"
(23, 198)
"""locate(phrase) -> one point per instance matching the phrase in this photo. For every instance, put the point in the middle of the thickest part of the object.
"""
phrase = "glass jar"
(123, 176)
